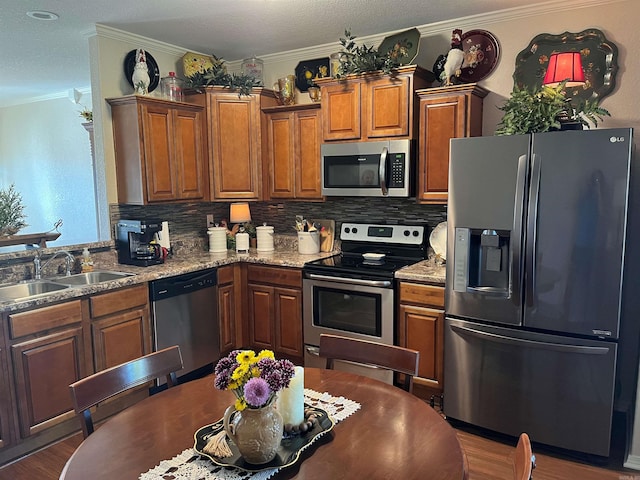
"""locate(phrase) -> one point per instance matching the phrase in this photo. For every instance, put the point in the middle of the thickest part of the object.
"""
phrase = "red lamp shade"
(564, 66)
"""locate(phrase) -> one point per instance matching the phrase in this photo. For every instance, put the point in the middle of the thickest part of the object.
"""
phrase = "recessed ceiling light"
(42, 15)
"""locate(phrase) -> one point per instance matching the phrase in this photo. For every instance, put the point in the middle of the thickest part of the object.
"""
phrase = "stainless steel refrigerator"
(536, 258)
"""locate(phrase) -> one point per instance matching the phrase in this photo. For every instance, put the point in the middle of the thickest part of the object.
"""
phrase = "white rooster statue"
(455, 58)
(140, 77)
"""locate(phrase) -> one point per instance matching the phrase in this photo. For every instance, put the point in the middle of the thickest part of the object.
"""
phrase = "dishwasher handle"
(183, 284)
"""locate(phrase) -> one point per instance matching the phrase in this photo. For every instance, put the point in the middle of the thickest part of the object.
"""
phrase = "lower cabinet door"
(119, 338)
(43, 369)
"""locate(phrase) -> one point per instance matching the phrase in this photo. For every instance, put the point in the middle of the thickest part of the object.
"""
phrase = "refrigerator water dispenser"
(481, 261)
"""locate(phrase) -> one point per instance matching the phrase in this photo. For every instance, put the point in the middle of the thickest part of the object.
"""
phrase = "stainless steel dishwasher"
(185, 313)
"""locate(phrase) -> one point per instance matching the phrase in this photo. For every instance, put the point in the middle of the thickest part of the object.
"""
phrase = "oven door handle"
(351, 281)
(315, 351)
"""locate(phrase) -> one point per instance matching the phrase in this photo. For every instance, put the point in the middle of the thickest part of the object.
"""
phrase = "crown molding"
(143, 42)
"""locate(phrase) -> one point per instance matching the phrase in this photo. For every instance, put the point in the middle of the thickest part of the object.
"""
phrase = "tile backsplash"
(188, 222)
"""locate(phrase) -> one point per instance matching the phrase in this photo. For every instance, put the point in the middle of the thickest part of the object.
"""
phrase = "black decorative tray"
(290, 447)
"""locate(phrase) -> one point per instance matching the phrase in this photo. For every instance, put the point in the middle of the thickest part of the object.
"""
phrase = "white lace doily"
(189, 464)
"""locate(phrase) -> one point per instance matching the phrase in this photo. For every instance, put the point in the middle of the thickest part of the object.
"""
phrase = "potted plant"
(217, 75)
(546, 108)
(11, 211)
(362, 59)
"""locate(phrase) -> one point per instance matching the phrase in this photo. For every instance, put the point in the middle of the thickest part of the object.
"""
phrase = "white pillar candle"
(291, 399)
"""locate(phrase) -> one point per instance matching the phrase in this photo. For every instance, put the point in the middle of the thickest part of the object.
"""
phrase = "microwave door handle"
(382, 171)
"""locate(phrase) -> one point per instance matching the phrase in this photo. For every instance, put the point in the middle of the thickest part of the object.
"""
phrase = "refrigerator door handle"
(518, 213)
(521, 342)
(532, 221)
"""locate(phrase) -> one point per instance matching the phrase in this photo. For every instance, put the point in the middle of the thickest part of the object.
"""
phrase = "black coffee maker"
(135, 242)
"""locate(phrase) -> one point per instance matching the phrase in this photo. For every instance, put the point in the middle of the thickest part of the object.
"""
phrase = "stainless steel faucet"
(38, 266)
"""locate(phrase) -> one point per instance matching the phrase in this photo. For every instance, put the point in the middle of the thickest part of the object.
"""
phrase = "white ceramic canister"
(217, 239)
(308, 242)
(264, 234)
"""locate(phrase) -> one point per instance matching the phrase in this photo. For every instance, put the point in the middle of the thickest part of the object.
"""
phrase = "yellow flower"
(246, 357)
(265, 354)
(240, 404)
(255, 371)
(240, 372)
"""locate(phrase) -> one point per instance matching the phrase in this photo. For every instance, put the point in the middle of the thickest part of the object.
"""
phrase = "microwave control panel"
(397, 164)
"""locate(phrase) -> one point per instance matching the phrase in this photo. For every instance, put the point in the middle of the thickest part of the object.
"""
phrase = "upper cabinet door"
(280, 155)
(341, 111)
(190, 154)
(386, 108)
(307, 134)
(157, 128)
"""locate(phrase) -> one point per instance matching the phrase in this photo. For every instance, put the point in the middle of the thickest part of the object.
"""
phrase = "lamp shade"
(564, 66)
(239, 213)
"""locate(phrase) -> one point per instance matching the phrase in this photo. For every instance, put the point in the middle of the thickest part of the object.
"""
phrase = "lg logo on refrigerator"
(616, 139)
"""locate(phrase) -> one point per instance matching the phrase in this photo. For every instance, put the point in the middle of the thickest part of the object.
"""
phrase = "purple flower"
(257, 392)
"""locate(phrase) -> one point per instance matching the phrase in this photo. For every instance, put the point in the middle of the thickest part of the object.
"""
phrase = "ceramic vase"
(257, 432)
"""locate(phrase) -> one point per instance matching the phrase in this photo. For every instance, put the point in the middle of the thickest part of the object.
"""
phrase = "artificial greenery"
(12, 214)
(356, 59)
(217, 75)
(545, 108)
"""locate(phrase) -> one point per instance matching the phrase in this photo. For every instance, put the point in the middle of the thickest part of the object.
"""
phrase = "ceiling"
(52, 56)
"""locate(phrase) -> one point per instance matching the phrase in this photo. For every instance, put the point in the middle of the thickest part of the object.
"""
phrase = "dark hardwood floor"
(489, 459)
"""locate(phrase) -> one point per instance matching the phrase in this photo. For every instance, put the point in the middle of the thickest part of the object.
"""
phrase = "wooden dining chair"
(100, 386)
(399, 359)
(525, 460)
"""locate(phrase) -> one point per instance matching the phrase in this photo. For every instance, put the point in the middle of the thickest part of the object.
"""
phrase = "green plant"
(217, 75)
(11, 211)
(362, 59)
(545, 108)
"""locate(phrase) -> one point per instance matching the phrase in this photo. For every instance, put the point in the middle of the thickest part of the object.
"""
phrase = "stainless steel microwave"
(368, 169)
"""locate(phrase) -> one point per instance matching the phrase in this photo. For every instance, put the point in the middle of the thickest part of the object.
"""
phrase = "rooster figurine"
(140, 77)
(455, 58)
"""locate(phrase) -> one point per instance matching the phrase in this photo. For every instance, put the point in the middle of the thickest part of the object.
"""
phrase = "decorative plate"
(438, 240)
(404, 44)
(599, 62)
(481, 55)
(152, 67)
(290, 448)
(310, 69)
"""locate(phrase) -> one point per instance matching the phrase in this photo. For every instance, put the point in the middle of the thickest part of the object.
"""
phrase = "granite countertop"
(173, 266)
(426, 271)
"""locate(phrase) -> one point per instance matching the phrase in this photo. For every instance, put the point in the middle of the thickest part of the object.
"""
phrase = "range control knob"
(347, 230)
(407, 233)
(416, 233)
(355, 230)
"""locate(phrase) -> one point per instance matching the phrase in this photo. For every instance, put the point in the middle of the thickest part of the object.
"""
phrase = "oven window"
(348, 311)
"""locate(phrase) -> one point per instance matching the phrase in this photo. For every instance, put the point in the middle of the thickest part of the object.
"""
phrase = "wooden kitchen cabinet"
(228, 308)
(445, 113)
(235, 133)
(120, 326)
(421, 327)
(160, 150)
(293, 152)
(373, 105)
(275, 310)
(48, 353)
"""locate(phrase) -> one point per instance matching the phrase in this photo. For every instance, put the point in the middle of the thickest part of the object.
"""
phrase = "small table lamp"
(240, 213)
(564, 66)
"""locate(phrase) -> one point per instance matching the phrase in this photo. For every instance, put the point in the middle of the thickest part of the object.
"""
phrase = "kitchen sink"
(24, 291)
(91, 278)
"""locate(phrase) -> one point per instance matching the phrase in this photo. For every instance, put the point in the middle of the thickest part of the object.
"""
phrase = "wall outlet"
(210, 221)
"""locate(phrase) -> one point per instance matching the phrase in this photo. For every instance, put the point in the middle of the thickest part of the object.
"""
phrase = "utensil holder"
(308, 243)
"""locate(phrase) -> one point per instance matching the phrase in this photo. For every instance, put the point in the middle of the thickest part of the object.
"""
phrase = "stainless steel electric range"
(353, 293)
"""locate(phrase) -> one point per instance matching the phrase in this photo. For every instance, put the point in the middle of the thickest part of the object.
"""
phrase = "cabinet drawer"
(225, 275)
(422, 294)
(119, 300)
(279, 276)
(46, 318)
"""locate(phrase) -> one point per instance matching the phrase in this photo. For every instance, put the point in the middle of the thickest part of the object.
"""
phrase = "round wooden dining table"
(394, 435)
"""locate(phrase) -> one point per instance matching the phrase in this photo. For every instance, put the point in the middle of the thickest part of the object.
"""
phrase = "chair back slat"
(100, 386)
(392, 357)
